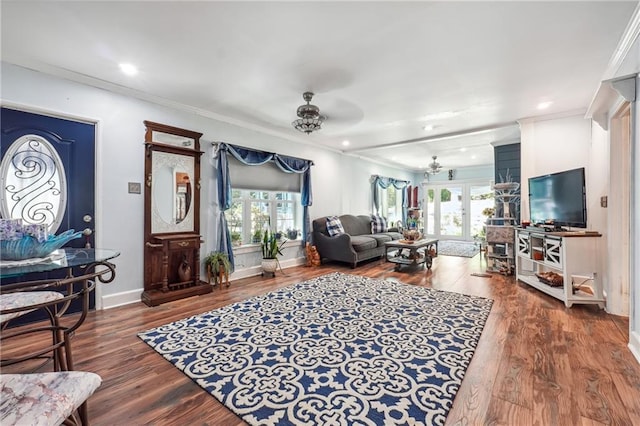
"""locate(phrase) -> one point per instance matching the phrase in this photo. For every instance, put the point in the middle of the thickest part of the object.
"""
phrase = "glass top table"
(20, 298)
(59, 259)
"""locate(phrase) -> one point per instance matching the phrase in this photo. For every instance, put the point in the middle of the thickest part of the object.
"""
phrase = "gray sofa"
(356, 244)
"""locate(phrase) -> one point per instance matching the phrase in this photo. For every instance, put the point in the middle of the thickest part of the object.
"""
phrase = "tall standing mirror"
(172, 214)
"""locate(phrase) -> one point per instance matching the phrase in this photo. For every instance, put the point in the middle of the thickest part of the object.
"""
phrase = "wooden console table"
(572, 257)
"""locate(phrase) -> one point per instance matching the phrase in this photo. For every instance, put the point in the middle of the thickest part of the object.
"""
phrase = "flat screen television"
(559, 199)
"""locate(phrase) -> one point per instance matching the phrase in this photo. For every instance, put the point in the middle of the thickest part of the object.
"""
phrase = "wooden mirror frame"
(152, 133)
(171, 254)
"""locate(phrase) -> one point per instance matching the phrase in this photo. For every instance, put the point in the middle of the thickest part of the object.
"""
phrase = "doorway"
(619, 207)
(454, 211)
(48, 177)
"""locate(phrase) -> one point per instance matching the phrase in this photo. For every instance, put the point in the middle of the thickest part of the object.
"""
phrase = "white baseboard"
(257, 270)
(634, 344)
(133, 296)
(121, 299)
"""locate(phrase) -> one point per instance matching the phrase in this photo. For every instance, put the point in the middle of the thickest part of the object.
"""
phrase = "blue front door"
(68, 202)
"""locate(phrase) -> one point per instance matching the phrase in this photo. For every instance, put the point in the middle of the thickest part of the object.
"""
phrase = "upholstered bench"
(45, 398)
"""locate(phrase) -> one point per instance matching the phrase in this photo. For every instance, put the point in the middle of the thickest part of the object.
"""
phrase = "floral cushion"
(24, 299)
(334, 226)
(44, 398)
(378, 224)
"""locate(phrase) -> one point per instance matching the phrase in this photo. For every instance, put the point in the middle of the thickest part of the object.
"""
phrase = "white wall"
(340, 183)
(634, 314)
(552, 145)
(598, 186)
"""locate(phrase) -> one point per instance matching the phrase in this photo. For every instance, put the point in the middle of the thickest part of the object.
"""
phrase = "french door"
(453, 211)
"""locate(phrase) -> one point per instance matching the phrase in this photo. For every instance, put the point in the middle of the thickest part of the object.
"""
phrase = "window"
(391, 203)
(252, 212)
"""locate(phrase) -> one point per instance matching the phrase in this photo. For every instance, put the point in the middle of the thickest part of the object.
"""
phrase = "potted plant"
(257, 236)
(292, 234)
(218, 266)
(271, 248)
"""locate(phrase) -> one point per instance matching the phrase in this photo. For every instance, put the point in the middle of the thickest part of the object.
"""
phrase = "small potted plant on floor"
(271, 248)
(218, 266)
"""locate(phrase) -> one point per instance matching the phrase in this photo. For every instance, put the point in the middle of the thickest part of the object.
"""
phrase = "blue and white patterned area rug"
(458, 248)
(338, 349)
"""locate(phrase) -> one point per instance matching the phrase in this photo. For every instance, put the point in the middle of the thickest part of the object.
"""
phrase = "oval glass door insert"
(34, 184)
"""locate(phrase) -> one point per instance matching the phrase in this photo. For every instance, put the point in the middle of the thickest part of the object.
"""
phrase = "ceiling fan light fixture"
(435, 167)
(309, 119)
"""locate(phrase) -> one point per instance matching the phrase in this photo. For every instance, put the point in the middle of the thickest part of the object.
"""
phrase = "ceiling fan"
(309, 119)
(435, 167)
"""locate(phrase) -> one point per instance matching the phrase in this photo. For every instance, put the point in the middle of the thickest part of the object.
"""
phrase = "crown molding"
(556, 116)
(629, 37)
(507, 142)
(611, 87)
(157, 100)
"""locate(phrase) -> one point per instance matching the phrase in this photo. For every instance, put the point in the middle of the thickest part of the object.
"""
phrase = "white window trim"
(273, 213)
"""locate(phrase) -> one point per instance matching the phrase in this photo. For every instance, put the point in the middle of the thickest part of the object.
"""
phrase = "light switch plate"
(603, 201)
(134, 187)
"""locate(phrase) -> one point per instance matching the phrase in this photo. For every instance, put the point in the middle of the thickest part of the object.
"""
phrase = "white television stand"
(573, 255)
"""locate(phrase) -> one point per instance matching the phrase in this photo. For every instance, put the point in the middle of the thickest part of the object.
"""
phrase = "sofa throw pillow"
(334, 226)
(378, 224)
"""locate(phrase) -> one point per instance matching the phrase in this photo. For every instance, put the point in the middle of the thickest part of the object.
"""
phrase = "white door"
(454, 211)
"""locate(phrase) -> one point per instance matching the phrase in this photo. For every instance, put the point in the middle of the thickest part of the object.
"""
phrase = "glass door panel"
(455, 211)
(480, 198)
(451, 211)
(430, 212)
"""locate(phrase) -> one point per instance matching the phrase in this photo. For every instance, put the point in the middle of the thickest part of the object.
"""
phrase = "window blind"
(267, 177)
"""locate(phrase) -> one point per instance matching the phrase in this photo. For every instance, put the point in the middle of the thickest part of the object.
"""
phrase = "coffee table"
(406, 252)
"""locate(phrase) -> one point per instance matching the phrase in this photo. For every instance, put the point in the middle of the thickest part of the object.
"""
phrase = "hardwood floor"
(537, 362)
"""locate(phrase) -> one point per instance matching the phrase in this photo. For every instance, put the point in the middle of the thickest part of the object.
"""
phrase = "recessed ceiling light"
(394, 158)
(473, 157)
(345, 143)
(463, 149)
(544, 105)
(428, 127)
(440, 115)
(129, 69)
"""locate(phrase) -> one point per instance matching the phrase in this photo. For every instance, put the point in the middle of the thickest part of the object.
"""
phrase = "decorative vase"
(184, 270)
(411, 234)
(28, 246)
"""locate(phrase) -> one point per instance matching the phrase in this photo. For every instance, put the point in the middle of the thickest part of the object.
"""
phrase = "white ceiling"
(380, 70)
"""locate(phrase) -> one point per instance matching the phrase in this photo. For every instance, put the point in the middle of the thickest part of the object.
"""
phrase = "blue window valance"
(384, 183)
(254, 157)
